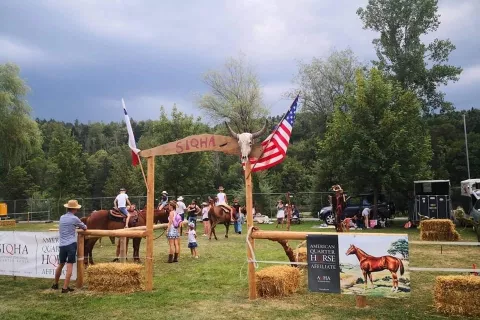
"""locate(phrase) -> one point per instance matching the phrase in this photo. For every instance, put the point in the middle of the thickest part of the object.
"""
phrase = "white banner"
(30, 254)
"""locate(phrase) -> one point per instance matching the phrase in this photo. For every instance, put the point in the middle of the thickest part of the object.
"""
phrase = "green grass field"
(215, 286)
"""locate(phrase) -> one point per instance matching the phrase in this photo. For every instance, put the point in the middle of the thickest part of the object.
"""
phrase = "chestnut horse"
(100, 220)
(216, 215)
(370, 264)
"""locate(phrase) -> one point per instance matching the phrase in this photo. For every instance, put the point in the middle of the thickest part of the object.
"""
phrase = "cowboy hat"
(164, 192)
(72, 204)
(220, 188)
(180, 198)
(123, 189)
(336, 187)
(204, 204)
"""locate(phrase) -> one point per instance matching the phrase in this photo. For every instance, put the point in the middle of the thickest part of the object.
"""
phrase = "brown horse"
(216, 215)
(100, 220)
(370, 264)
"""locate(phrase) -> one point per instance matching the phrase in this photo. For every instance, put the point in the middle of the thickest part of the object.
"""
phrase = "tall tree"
(401, 54)
(20, 134)
(380, 141)
(235, 95)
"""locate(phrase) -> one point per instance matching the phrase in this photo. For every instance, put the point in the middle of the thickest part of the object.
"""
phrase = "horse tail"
(402, 269)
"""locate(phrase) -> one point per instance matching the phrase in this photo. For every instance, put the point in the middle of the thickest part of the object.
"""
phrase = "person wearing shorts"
(121, 202)
(192, 240)
(173, 234)
(68, 243)
(280, 213)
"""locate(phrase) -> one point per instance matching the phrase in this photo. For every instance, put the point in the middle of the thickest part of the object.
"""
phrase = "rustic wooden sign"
(197, 143)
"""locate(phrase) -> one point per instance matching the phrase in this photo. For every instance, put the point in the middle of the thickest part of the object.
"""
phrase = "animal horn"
(232, 133)
(262, 131)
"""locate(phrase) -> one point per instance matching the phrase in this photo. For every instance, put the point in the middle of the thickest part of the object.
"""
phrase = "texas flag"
(131, 138)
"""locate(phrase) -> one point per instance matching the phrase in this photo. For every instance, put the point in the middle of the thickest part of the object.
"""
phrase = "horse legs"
(227, 226)
(91, 243)
(365, 280)
(371, 280)
(395, 281)
(112, 240)
(212, 230)
(136, 249)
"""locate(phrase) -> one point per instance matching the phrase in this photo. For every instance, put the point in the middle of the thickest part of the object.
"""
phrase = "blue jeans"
(238, 226)
(123, 210)
(192, 219)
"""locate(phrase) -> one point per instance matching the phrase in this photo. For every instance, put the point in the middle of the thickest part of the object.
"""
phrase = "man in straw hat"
(222, 201)
(164, 200)
(68, 243)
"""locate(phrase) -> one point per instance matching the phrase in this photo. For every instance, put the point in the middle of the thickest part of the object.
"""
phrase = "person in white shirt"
(222, 201)
(120, 204)
(181, 207)
(192, 240)
(366, 215)
(206, 222)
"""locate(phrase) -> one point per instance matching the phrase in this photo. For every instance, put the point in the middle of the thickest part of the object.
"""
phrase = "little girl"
(192, 240)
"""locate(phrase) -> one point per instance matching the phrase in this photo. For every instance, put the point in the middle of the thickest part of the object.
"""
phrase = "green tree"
(380, 142)
(17, 184)
(235, 95)
(401, 53)
(400, 246)
(20, 134)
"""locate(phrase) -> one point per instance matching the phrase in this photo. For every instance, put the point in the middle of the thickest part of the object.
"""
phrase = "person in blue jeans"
(193, 210)
(121, 202)
(68, 243)
(238, 221)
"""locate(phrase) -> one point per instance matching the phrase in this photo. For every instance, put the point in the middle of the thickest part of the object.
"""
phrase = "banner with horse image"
(365, 264)
(30, 254)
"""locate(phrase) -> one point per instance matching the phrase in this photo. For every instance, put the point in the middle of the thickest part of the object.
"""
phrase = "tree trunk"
(375, 202)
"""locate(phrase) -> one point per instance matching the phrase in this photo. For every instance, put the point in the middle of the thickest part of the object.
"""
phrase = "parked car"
(356, 204)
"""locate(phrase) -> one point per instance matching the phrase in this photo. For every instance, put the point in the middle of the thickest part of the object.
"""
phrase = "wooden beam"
(80, 262)
(122, 257)
(252, 289)
(114, 233)
(149, 231)
(299, 235)
(155, 227)
(196, 143)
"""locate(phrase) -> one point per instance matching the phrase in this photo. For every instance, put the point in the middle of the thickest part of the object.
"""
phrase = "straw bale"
(278, 281)
(438, 230)
(456, 295)
(115, 277)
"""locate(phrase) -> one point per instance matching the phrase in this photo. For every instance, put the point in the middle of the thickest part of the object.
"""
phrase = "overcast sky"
(81, 57)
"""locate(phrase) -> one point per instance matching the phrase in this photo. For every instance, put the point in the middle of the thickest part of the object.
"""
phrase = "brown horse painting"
(370, 264)
(102, 219)
(216, 215)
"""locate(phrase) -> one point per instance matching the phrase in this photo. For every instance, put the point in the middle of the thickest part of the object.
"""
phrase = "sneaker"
(67, 290)
(55, 286)
(196, 257)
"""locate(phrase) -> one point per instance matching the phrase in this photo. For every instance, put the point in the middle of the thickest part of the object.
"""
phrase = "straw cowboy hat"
(220, 188)
(72, 204)
(164, 192)
(180, 198)
(204, 204)
(337, 188)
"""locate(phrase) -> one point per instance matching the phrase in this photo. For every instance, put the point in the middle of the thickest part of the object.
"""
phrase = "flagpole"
(271, 137)
(143, 172)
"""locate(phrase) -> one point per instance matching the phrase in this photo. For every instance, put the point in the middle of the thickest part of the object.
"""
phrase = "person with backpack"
(173, 235)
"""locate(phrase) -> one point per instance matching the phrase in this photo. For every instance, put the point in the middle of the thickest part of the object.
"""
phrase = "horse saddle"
(226, 210)
(117, 216)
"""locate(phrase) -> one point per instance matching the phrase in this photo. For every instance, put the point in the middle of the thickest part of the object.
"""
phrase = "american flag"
(276, 144)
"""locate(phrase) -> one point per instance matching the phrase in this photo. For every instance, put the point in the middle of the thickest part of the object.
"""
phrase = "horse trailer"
(432, 199)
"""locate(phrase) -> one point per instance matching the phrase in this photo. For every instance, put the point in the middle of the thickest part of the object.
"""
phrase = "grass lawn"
(215, 286)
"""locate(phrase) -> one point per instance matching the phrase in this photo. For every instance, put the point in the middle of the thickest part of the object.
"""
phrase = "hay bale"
(456, 295)
(300, 254)
(438, 230)
(277, 281)
(115, 277)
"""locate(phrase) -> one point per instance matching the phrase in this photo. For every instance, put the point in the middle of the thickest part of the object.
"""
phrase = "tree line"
(373, 127)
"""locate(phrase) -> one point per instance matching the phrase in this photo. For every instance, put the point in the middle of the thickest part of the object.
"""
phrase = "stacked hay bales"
(115, 277)
(277, 281)
(456, 295)
(438, 230)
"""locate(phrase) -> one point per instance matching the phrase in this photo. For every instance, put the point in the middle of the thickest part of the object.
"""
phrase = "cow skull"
(245, 140)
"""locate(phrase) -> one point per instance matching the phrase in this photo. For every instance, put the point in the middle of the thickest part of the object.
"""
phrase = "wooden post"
(149, 232)
(80, 261)
(289, 211)
(252, 290)
(122, 257)
(361, 301)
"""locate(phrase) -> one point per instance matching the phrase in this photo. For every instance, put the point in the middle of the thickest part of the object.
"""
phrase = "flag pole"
(271, 137)
(143, 172)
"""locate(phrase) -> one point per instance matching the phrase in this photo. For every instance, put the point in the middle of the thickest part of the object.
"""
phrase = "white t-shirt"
(181, 207)
(366, 212)
(205, 213)
(122, 200)
(221, 198)
(191, 236)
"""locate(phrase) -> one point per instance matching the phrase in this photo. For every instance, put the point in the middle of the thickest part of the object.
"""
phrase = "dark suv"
(356, 204)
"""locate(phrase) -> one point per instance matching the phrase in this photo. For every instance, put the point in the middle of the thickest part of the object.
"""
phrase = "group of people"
(338, 203)
(282, 208)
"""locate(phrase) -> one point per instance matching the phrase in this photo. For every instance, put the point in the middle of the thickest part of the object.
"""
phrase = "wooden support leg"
(252, 289)
(80, 262)
(361, 301)
(122, 257)
(149, 232)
